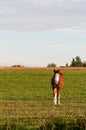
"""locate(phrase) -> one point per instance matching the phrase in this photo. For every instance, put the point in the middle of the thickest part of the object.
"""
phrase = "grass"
(18, 84)
(26, 100)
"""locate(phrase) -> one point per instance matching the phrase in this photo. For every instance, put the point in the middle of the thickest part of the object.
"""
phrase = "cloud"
(36, 15)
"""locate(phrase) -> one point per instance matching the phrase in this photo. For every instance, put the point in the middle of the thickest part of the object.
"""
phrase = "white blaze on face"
(56, 79)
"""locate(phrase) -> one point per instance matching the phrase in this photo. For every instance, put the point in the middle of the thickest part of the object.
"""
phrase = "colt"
(57, 82)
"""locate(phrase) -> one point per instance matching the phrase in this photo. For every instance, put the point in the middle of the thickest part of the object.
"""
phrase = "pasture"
(26, 101)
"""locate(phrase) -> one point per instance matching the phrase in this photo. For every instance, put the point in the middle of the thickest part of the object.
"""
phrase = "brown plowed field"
(41, 68)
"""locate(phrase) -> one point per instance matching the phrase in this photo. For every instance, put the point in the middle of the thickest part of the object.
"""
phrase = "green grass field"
(26, 101)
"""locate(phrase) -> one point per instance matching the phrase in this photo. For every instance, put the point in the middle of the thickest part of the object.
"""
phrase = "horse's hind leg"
(58, 99)
(55, 95)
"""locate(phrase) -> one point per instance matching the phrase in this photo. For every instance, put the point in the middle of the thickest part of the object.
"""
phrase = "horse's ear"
(56, 71)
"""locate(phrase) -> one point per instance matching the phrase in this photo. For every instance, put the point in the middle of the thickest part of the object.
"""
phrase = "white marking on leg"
(55, 99)
(58, 100)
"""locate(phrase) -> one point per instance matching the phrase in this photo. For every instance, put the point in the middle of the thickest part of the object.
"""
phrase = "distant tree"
(17, 66)
(84, 64)
(76, 62)
(73, 63)
(51, 65)
(66, 65)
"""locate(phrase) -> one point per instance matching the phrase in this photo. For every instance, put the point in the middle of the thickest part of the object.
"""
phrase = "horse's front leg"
(58, 96)
(55, 95)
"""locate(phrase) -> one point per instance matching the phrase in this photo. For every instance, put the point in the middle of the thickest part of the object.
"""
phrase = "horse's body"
(57, 83)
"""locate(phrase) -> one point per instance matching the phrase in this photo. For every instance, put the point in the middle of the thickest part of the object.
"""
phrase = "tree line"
(76, 62)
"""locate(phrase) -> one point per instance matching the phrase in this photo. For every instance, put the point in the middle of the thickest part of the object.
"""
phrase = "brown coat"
(60, 83)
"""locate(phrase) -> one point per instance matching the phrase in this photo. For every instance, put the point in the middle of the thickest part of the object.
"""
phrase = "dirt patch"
(40, 68)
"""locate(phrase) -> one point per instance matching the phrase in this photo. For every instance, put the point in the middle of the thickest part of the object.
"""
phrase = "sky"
(36, 33)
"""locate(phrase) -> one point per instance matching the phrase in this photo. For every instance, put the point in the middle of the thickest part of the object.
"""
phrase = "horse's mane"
(61, 74)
